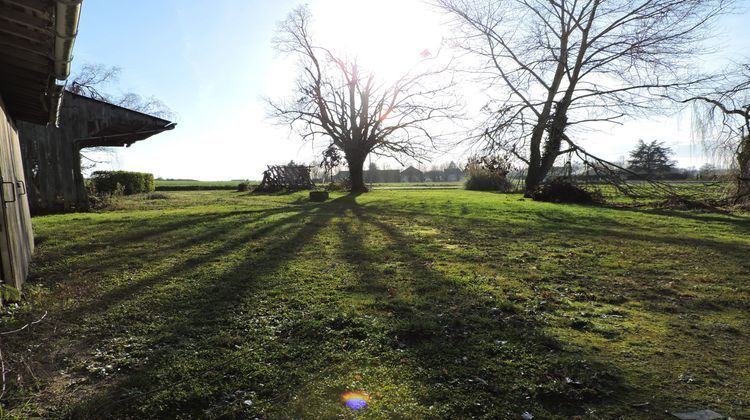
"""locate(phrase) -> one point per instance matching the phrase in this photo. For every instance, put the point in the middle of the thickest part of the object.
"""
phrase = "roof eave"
(67, 17)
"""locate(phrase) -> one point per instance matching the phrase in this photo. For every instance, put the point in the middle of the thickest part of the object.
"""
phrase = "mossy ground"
(439, 304)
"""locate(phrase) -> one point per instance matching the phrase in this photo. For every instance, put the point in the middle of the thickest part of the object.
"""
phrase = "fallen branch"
(2, 360)
(611, 173)
(601, 165)
(25, 326)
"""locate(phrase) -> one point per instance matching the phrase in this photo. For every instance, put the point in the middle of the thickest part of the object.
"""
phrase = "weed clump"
(342, 185)
(102, 200)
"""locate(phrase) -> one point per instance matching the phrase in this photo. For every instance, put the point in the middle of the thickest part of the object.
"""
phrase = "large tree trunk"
(356, 174)
(545, 159)
(743, 177)
(536, 173)
(537, 168)
(534, 177)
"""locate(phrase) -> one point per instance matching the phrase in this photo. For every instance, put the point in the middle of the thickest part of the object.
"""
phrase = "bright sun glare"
(386, 36)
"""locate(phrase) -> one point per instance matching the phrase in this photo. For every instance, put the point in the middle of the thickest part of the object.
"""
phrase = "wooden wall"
(53, 169)
(16, 236)
(51, 155)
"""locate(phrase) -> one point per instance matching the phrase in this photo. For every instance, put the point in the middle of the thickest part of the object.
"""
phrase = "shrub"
(342, 185)
(488, 174)
(243, 186)
(560, 190)
(106, 182)
(103, 200)
(9, 294)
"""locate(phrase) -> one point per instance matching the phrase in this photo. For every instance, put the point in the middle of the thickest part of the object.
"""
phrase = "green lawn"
(416, 185)
(439, 304)
(171, 183)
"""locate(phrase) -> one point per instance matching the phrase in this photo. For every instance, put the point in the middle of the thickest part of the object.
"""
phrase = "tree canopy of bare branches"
(93, 80)
(724, 108)
(553, 65)
(722, 120)
(336, 99)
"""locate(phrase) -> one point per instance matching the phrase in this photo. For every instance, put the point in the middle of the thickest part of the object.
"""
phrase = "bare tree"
(92, 79)
(338, 100)
(558, 64)
(146, 104)
(95, 80)
(722, 120)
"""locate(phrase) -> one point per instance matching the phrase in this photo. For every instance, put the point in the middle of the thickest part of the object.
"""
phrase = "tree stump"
(318, 196)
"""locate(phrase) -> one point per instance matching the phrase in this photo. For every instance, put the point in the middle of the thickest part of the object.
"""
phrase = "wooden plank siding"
(51, 155)
(16, 236)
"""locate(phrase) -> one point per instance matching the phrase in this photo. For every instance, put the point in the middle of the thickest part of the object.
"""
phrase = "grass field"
(170, 183)
(173, 185)
(416, 185)
(162, 185)
(438, 303)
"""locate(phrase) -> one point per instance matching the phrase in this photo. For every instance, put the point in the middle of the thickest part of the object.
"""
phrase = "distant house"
(376, 176)
(341, 176)
(412, 174)
(453, 173)
(434, 176)
(382, 176)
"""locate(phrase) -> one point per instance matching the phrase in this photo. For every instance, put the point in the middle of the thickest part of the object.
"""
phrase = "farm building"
(453, 173)
(373, 176)
(412, 174)
(51, 155)
(381, 175)
(36, 45)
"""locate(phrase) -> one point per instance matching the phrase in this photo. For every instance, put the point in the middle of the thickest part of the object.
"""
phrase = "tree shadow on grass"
(189, 334)
(231, 323)
(563, 232)
(478, 354)
(156, 227)
(740, 222)
(225, 236)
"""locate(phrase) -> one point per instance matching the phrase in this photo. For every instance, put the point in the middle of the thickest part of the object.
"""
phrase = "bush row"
(111, 182)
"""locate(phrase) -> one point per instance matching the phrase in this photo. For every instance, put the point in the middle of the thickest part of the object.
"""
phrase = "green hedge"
(131, 182)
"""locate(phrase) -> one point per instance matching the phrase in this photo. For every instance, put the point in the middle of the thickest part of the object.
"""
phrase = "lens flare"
(356, 400)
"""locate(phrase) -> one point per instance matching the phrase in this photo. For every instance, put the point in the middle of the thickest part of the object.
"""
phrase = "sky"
(213, 64)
